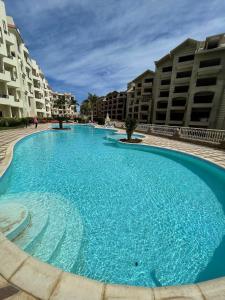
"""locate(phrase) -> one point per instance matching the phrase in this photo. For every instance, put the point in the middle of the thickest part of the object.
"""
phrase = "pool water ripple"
(145, 217)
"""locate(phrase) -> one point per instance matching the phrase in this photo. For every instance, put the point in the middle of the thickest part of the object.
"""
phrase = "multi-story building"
(67, 108)
(189, 87)
(24, 90)
(139, 97)
(113, 104)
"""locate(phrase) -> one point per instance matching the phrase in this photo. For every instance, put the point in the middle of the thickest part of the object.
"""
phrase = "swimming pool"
(123, 214)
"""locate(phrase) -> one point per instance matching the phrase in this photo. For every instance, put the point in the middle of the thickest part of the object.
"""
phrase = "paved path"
(212, 154)
(10, 135)
(10, 292)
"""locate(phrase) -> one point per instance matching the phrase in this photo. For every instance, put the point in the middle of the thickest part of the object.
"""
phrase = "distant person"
(36, 122)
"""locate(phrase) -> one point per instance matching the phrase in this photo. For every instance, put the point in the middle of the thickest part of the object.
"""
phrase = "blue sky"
(100, 45)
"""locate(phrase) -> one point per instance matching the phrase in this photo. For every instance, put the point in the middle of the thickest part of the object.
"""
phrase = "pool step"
(33, 233)
(46, 247)
(14, 219)
(68, 252)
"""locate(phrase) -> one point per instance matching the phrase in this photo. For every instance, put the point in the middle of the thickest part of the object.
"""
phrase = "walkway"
(214, 155)
(10, 135)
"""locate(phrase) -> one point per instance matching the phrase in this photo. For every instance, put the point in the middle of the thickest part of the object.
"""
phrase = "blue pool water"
(123, 214)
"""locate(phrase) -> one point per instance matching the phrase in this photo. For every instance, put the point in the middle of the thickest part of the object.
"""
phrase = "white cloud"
(98, 45)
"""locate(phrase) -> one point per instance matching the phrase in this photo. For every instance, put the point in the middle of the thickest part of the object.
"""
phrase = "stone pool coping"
(36, 279)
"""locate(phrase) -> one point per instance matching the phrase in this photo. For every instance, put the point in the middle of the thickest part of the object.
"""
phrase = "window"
(138, 93)
(200, 114)
(184, 74)
(204, 97)
(209, 63)
(167, 69)
(144, 117)
(181, 89)
(139, 85)
(206, 81)
(144, 108)
(148, 80)
(164, 94)
(5, 27)
(1, 114)
(186, 58)
(179, 101)
(212, 44)
(147, 90)
(165, 82)
(176, 115)
(130, 109)
(136, 109)
(161, 116)
(162, 104)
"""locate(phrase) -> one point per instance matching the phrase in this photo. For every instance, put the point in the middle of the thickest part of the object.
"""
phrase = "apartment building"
(139, 97)
(113, 104)
(68, 106)
(189, 86)
(98, 109)
(24, 90)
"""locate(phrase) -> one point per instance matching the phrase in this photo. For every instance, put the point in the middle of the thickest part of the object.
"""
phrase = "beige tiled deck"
(25, 278)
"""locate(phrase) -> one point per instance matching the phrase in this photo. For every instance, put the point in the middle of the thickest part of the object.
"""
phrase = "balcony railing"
(212, 136)
(200, 134)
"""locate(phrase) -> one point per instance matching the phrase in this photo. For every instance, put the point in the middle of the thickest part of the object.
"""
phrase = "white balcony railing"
(200, 134)
(195, 134)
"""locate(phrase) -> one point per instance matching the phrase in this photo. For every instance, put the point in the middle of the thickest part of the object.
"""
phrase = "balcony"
(15, 101)
(9, 39)
(10, 60)
(5, 76)
(210, 70)
(184, 65)
(4, 98)
(15, 83)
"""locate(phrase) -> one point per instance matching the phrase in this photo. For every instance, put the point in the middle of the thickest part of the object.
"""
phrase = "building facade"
(189, 87)
(139, 97)
(24, 90)
(113, 104)
(68, 109)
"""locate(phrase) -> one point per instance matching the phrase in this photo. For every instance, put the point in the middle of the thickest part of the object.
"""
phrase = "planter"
(55, 128)
(132, 141)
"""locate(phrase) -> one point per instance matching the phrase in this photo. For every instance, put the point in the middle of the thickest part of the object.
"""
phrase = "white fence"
(197, 134)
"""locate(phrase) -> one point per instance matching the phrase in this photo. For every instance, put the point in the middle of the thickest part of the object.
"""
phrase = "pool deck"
(24, 277)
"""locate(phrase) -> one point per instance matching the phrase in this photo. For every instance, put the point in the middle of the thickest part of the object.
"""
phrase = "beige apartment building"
(139, 97)
(113, 104)
(66, 110)
(189, 86)
(24, 90)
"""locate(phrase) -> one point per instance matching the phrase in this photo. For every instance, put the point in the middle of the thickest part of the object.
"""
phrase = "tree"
(130, 125)
(60, 103)
(87, 106)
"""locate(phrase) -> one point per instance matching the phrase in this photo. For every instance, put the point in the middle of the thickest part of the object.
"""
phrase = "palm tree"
(87, 106)
(92, 98)
(60, 103)
(130, 125)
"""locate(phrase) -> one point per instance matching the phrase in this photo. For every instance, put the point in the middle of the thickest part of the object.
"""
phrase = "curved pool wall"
(162, 234)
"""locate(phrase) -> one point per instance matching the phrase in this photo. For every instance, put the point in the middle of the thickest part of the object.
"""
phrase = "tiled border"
(44, 281)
